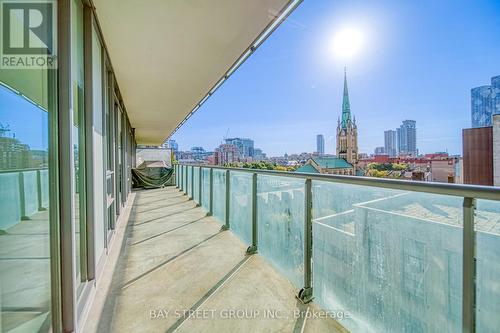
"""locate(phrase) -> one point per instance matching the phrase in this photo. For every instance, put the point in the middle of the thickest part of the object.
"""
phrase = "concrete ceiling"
(168, 54)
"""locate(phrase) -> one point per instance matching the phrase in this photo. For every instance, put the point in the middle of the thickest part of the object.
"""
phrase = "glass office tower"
(481, 106)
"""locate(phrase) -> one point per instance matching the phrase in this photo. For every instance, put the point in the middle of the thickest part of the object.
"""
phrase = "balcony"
(374, 255)
(175, 258)
(234, 249)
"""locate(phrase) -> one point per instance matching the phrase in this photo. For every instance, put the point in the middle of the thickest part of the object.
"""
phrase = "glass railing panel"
(391, 259)
(487, 224)
(280, 216)
(189, 180)
(219, 196)
(205, 189)
(196, 192)
(240, 213)
(44, 191)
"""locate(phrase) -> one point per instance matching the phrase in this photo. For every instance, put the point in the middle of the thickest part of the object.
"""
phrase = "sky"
(418, 60)
(26, 121)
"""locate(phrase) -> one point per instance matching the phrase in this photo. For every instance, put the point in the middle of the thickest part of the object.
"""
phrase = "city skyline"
(289, 90)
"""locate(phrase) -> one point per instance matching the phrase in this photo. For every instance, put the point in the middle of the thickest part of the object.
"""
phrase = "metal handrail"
(458, 190)
(23, 170)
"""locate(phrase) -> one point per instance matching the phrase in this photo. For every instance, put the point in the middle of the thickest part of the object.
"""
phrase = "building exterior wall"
(478, 155)
(154, 154)
(444, 171)
(65, 178)
(496, 149)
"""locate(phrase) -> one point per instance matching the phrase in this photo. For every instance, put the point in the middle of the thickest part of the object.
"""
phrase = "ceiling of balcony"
(167, 55)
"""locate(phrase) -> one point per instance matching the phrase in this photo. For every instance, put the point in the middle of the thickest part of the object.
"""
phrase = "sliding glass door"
(79, 195)
(28, 197)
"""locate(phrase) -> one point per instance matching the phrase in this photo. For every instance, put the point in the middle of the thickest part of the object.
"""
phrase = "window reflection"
(25, 294)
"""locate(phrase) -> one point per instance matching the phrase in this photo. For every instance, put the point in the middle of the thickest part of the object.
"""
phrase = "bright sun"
(347, 42)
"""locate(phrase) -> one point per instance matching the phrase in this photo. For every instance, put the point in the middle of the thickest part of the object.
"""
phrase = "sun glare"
(347, 43)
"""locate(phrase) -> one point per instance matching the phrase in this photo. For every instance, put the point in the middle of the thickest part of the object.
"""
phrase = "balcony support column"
(211, 193)
(227, 207)
(305, 295)
(469, 268)
(252, 249)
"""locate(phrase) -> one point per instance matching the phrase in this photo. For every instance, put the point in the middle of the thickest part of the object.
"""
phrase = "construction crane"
(225, 136)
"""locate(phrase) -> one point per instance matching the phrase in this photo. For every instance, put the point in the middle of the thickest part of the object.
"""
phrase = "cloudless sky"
(419, 61)
(26, 121)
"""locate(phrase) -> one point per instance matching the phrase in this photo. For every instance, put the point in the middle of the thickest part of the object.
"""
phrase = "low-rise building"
(327, 165)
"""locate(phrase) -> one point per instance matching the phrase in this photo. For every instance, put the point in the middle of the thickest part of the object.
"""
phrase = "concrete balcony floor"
(171, 257)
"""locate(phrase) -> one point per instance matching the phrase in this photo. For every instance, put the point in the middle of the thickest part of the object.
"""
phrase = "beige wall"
(496, 150)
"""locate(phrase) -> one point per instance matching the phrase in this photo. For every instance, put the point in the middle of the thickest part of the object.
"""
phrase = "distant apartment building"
(14, 154)
(379, 151)
(226, 153)
(320, 144)
(407, 138)
(485, 102)
(391, 142)
(245, 146)
(258, 155)
(198, 153)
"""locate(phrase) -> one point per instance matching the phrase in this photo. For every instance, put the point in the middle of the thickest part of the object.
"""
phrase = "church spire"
(346, 106)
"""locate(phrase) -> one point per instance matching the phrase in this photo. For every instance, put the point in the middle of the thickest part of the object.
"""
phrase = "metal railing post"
(306, 293)
(469, 268)
(181, 175)
(22, 197)
(186, 180)
(192, 182)
(39, 189)
(252, 249)
(200, 173)
(177, 175)
(211, 193)
(227, 207)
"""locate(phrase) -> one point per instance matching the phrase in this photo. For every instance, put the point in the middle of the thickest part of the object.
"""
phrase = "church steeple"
(346, 106)
(347, 131)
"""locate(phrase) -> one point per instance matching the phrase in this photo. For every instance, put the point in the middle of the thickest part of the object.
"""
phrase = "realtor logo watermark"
(28, 34)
